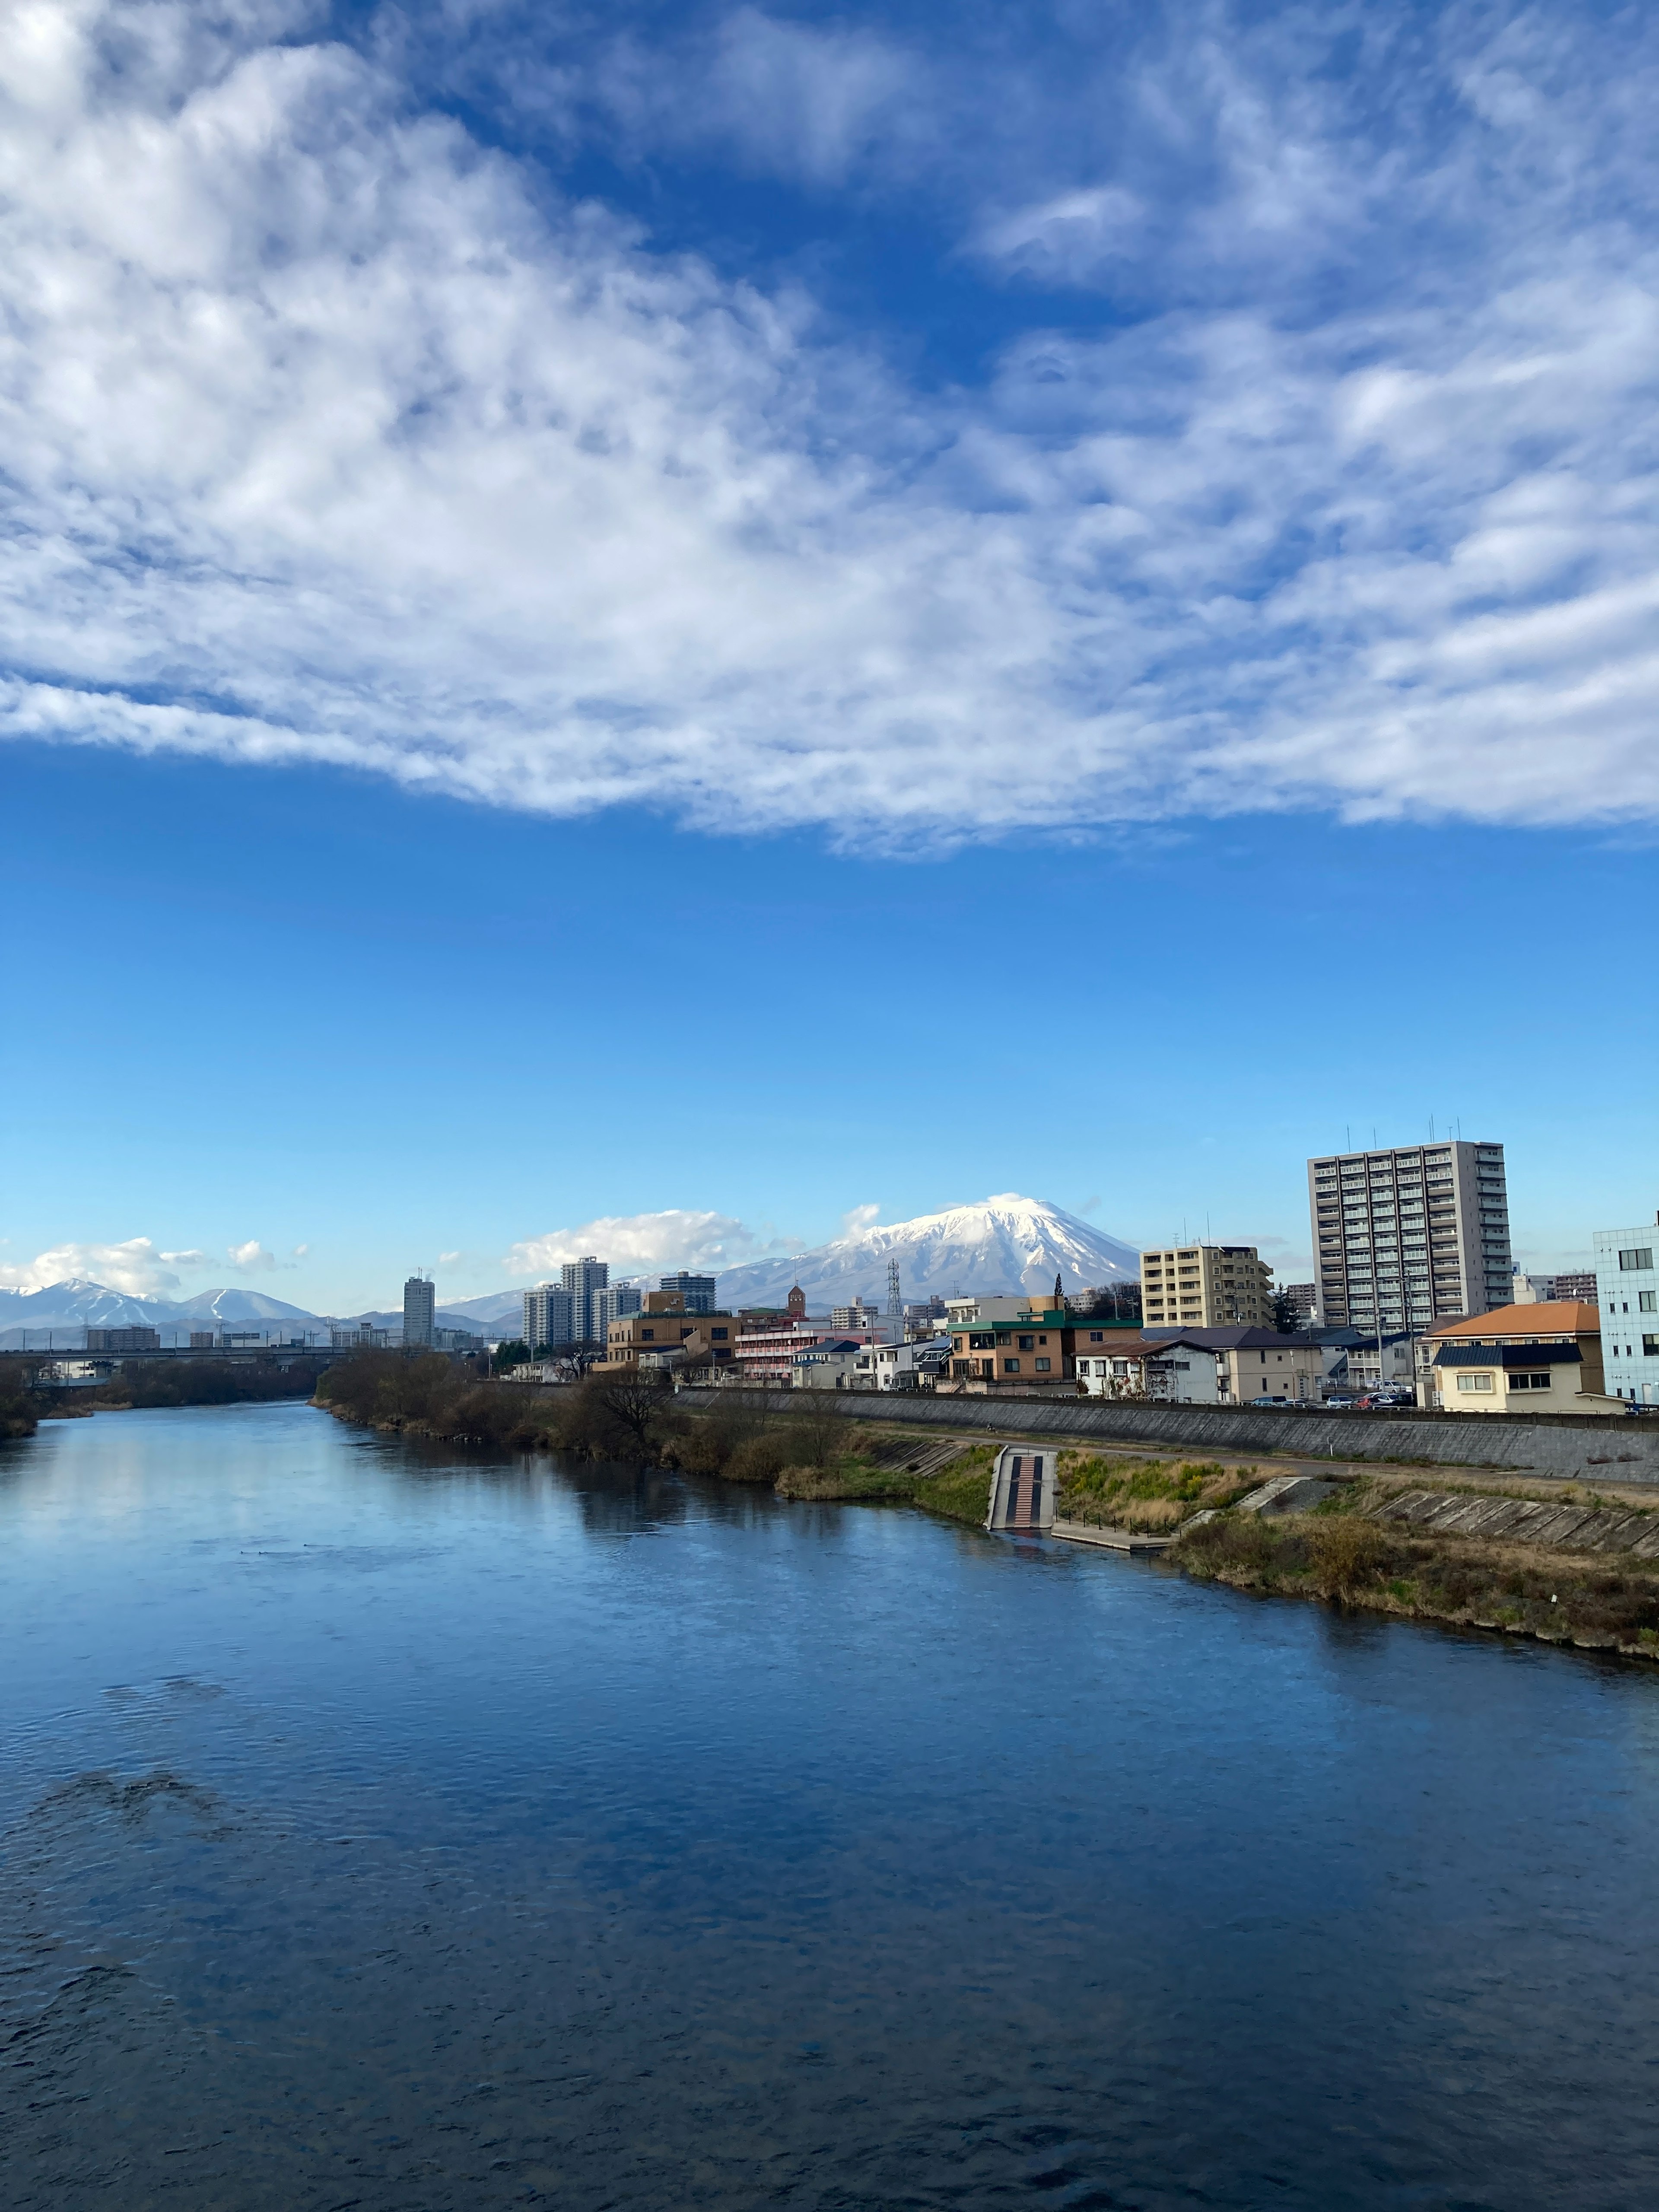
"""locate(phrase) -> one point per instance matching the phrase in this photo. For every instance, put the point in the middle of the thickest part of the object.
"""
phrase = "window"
(719, 1335)
(1042, 1367)
(1530, 1382)
(1097, 1336)
(648, 1336)
(1645, 1301)
(1650, 1347)
(1026, 1343)
(1011, 1367)
(1637, 1257)
(1474, 1382)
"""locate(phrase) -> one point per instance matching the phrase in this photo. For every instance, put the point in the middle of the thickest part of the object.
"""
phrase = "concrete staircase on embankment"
(1575, 1528)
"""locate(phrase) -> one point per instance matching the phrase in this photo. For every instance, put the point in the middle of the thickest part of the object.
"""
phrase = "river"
(392, 1827)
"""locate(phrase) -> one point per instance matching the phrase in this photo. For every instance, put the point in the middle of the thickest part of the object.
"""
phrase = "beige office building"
(1206, 1286)
(1403, 1239)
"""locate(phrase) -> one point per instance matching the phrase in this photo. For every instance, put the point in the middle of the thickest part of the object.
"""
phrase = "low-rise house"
(904, 1366)
(1255, 1363)
(831, 1363)
(1177, 1369)
(1542, 1358)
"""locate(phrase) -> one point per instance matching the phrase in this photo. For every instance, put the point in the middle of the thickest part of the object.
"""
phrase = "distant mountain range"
(1008, 1243)
(77, 1304)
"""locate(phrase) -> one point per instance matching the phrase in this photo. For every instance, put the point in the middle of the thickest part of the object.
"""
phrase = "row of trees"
(627, 1418)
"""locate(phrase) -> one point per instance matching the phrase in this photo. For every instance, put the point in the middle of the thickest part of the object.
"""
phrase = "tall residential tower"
(1406, 1238)
(419, 1303)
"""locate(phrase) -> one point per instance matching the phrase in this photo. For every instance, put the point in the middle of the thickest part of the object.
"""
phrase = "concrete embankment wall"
(1611, 1450)
(1600, 1449)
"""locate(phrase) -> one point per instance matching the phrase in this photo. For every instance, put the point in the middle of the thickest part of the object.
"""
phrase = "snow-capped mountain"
(77, 1304)
(1008, 1243)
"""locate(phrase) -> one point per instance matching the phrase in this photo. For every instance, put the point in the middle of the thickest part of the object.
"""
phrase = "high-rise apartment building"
(616, 1303)
(697, 1291)
(1407, 1237)
(1206, 1286)
(547, 1317)
(585, 1279)
(1627, 1294)
(420, 1302)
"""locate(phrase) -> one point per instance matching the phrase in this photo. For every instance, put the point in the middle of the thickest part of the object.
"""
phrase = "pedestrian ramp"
(1022, 1490)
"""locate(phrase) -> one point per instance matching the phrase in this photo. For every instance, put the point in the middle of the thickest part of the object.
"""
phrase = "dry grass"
(1150, 1497)
(1598, 1601)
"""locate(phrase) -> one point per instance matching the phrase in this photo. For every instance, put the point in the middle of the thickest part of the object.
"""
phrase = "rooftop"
(1550, 1316)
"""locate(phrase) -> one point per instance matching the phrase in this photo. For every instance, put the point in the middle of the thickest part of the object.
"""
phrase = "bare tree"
(634, 1402)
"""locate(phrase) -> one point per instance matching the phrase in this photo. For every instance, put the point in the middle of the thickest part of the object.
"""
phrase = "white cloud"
(135, 1267)
(185, 1259)
(1067, 239)
(858, 1217)
(637, 1243)
(324, 437)
(799, 100)
(251, 1258)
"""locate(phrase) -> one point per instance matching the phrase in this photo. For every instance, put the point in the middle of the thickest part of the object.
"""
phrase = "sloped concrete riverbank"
(1594, 1450)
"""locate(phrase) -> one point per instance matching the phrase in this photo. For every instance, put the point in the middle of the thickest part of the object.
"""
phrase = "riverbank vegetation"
(1150, 1497)
(21, 1404)
(801, 1444)
(1599, 1601)
(28, 1395)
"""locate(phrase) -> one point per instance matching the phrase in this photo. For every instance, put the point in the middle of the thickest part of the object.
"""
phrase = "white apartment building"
(1628, 1295)
(1206, 1287)
(584, 1280)
(1407, 1237)
(547, 1317)
(615, 1302)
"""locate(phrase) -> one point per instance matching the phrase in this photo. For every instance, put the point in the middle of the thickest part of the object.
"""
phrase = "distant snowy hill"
(77, 1304)
(1008, 1243)
(484, 1313)
(238, 1305)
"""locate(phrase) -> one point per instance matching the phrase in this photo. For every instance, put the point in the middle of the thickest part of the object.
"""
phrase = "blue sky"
(698, 618)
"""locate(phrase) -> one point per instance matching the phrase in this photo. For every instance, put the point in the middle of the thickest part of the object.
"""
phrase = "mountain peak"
(1008, 1243)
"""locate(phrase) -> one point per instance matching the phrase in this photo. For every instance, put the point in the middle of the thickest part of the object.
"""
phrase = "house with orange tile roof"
(1539, 1358)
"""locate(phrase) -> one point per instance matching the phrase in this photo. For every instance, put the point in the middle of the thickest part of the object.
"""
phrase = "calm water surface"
(388, 1828)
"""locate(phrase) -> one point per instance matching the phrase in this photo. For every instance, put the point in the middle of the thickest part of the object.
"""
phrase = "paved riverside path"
(1594, 1450)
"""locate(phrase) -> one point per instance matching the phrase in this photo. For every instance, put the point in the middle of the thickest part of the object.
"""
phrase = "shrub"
(1342, 1552)
(758, 1459)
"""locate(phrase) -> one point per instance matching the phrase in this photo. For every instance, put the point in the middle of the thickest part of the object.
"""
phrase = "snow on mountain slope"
(79, 1304)
(487, 1312)
(238, 1305)
(1008, 1243)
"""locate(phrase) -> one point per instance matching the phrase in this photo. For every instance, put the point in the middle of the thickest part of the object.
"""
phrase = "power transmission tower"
(895, 1300)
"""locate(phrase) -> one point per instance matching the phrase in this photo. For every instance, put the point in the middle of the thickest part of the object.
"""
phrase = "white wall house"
(901, 1366)
(831, 1365)
(1628, 1295)
(1177, 1371)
